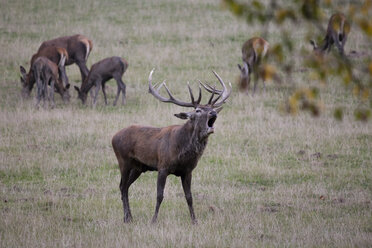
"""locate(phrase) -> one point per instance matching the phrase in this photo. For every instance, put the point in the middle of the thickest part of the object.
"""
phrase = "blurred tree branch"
(357, 77)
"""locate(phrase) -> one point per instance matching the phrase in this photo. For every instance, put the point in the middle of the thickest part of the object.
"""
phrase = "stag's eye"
(198, 111)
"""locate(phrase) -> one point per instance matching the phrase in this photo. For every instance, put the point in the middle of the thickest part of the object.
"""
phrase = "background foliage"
(312, 15)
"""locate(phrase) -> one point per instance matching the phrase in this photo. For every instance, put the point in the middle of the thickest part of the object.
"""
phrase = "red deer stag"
(58, 56)
(78, 48)
(45, 72)
(100, 73)
(253, 51)
(337, 32)
(169, 150)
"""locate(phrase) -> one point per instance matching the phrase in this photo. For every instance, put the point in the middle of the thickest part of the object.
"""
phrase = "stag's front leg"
(162, 178)
(186, 184)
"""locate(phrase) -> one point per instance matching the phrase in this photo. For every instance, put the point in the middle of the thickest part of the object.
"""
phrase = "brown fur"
(169, 150)
(100, 73)
(58, 56)
(337, 33)
(76, 46)
(253, 51)
(45, 72)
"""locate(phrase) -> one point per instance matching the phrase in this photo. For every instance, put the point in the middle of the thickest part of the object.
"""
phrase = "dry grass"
(265, 179)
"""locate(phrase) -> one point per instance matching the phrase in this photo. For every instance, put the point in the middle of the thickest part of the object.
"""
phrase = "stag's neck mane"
(190, 145)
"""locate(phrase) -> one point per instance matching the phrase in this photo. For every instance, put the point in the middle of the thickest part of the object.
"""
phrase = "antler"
(220, 99)
(223, 94)
(171, 99)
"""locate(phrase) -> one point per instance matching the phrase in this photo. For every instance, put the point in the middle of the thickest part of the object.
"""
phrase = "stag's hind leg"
(124, 194)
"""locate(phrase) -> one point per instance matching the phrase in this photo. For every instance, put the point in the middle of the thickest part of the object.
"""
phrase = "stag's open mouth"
(210, 123)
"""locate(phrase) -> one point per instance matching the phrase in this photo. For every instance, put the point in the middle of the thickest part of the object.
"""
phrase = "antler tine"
(224, 94)
(209, 88)
(171, 99)
(211, 98)
(190, 91)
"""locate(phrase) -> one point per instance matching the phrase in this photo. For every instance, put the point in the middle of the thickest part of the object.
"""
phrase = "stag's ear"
(182, 115)
(68, 86)
(240, 68)
(77, 89)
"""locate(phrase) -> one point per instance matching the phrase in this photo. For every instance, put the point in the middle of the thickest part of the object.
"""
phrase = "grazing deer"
(45, 72)
(169, 150)
(337, 32)
(78, 48)
(100, 73)
(253, 51)
(58, 56)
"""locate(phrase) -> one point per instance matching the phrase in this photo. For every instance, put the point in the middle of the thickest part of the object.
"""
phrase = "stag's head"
(203, 117)
(24, 81)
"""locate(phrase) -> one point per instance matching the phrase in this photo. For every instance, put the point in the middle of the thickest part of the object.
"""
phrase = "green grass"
(265, 179)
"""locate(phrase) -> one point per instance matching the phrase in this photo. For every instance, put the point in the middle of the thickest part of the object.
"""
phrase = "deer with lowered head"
(337, 32)
(58, 56)
(169, 150)
(78, 48)
(45, 73)
(99, 74)
(253, 51)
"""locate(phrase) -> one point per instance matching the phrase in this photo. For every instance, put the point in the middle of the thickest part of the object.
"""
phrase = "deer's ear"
(77, 89)
(182, 115)
(68, 86)
(240, 68)
(22, 69)
(312, 42)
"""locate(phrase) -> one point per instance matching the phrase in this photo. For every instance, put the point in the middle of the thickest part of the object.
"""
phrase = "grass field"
(265, 179)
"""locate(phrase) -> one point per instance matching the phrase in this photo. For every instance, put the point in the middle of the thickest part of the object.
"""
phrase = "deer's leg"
(133, 175)
(338, 41)
(122, 88)
(51, 93)
(343, 43)
(254, 86)
(104, 92)
(98, 86)
(63, 75)
(162, 177)
(124, 195)
(83, 69)
(39, 88)
(186, 184)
